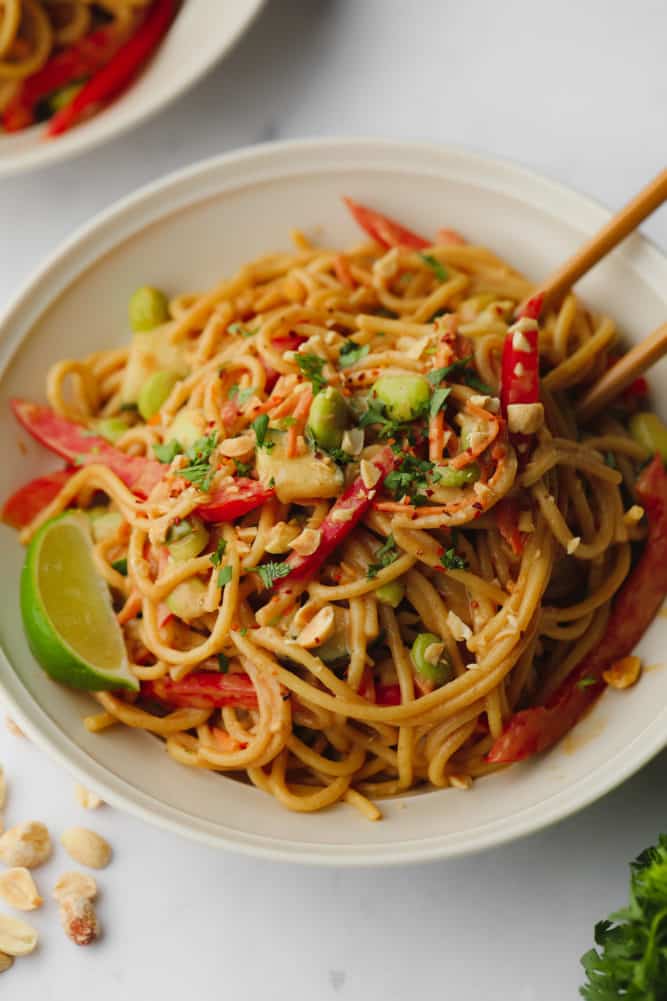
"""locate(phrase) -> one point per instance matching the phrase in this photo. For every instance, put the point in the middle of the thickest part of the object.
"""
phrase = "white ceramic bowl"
(202, 33)
(183, 234)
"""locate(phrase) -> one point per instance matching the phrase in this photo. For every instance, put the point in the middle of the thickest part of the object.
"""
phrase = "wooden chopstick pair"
(651, 348)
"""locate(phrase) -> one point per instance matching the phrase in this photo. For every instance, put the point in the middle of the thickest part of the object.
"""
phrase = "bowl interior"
(183, 235)
(198, 37)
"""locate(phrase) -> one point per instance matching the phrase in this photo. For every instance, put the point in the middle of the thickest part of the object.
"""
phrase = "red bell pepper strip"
(76, 62)
(534, 730)
(520, 374)
(121, 69)
(388, 695)
(241, 496)
(24, 505)
(79, 447)
(203, 690)
(384, 230)
(353, 503)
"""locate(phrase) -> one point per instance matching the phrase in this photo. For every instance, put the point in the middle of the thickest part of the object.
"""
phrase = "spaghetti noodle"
(343, 562)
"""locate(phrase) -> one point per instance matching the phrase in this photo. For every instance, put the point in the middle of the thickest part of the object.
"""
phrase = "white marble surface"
(579, 97)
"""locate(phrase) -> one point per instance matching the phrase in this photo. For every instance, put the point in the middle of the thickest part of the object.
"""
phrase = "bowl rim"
(82, 140)
(56, 273)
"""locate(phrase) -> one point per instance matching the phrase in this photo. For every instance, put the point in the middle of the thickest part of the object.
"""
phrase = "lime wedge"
(67, 612)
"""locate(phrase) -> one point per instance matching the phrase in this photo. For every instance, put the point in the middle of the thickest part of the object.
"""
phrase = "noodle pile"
(513, 618)
(30, 31)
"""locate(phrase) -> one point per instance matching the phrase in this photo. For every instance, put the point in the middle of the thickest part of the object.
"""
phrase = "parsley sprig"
(630, 960)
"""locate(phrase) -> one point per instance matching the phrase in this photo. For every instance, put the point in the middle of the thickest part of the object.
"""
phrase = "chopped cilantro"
(385, 556)
(410, 478)
(435, 266)
(452, 561)
(240, 396)
(311, 365)
(438, 374)
(199, 470)
(244, 631)
(168, 450)
(286, 422)
(475, 382)
(120, 566)
(216, 557)
(239, 328)
(271, 572)
(242, 468)
(223, 663)
(224, 576)
(351, 353)
(438, 400)
(260, 426)
(586, 682)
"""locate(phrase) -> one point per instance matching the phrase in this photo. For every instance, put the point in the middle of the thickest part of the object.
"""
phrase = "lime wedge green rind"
(67, 612)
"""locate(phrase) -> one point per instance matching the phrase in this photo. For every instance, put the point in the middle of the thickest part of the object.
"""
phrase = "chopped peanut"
(27, 845)
(319, 629)
(87, 799)
(86, 847)
(623, 673)
(79, 920)
(17, 888)
(16, 937)
(306, 543)
(75, 884)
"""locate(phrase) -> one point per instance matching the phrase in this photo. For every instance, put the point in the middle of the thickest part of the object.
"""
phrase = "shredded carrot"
(155, 419)
(300, 415)
(394, 507)
(507, 520)
(130, 609)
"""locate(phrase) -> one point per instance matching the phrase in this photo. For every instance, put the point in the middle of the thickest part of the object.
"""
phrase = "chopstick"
(622, 224)
(623, 373)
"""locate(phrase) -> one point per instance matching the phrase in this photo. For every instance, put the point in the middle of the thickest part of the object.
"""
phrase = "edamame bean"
(405, 397)
(112, 428)
(154, 392)
(391, 593)
(329, 417)
(147, 308)
(447, 476)
(647, 429)
(422, 657)
(187, 539)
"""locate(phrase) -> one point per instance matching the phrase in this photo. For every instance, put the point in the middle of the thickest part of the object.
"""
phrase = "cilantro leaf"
(168, 450)
(435, 266)
(239, 328)
(438, 400)
(587, 682)
(216, 557)
(224, 576)
(223, 663)
(199, 470)
(271, 572)
(385, 556)
(452, 561)
(409, 479)
(475, 382)
(351, 353)
(438, 374)
(242, 468)
(120, 566)
(260, 426)
(311, 366)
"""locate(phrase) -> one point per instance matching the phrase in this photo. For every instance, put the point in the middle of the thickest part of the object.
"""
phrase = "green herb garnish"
(260, 426)
(216, 557)
(242, 468)
(438, 400)
(239, 328)
(586, 682)
(452, 561)
(351, 353)
(311, 366)
(225, 574)
(409, 479)
(385, 556)
(223, 663)
(240, 396)
(120, 566)
(271, 572)
(199, 470)
(435, 266)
